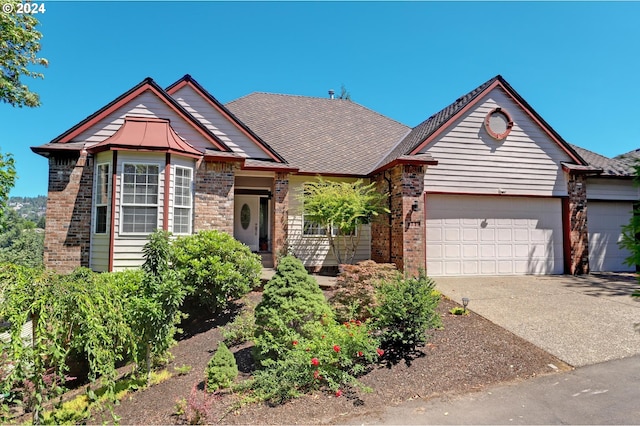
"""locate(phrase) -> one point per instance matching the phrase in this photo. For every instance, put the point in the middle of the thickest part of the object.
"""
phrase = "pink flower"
(338, 393)
(295, 342)
(359, 353)
(316, 375)
(314, 361)
(336, 348)
(380, 352)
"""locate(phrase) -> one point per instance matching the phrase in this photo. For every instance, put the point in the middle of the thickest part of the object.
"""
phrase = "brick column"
(577, 225)
(68, 225)
(381, 227)
(404, 243)
(280, 226)
(214, 196)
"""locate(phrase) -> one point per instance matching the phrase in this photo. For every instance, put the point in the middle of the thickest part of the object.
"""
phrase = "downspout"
(112, 232)
(167, 188)
(384, 176)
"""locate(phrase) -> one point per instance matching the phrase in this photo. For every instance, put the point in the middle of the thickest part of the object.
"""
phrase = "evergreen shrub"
(222, 369)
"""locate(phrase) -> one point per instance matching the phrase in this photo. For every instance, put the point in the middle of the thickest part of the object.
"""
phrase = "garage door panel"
(494, 235)
(605, 222)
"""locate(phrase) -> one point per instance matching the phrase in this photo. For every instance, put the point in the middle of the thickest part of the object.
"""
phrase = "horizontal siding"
(227, 131)
(128, 253)
(612, 189)
(100, 253)
(145, 105)
(527, 162)
(312, 250)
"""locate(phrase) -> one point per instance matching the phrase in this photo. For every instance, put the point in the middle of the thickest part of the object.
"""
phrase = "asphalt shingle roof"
(320, 135)
(609, 166)
(425, 129)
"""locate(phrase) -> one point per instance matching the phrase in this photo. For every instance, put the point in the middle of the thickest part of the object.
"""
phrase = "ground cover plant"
(94, 322)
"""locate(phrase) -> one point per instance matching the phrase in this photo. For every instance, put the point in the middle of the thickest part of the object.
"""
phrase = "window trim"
(107, 201)
(123, 205)
(176, 206)
(334, 234)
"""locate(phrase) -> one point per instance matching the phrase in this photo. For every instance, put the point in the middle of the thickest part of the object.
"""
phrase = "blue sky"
(576, 63)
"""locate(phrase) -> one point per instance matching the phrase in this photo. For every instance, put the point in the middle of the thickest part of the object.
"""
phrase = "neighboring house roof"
(188, 80)
(609, 166)
(630, 158)
(320, 135)
(430, 128)
(146, 134)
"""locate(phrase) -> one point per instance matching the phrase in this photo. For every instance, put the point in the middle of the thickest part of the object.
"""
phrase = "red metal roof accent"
(146, 134)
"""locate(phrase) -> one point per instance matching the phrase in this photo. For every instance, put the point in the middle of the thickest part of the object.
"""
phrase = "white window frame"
(124, 205)
(104, 202)
(188, 207)
(320, 231)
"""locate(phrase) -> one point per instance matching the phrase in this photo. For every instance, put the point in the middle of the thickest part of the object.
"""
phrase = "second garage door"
(605, 222)
(476, 235)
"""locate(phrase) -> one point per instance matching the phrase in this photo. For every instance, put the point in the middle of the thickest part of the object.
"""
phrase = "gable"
(146, 104)
(526, 162)
(219, 122)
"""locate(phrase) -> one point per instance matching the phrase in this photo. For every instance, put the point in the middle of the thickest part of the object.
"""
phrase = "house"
(485, 186)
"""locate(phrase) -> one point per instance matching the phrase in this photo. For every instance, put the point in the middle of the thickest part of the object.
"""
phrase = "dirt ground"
(466, 355)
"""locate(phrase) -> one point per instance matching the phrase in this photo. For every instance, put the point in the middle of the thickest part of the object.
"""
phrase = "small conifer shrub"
(222, 369)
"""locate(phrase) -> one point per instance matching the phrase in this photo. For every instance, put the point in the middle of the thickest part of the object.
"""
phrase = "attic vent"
(332, 94)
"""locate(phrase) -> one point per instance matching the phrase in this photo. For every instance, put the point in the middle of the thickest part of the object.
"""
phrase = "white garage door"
(604, 221)
(471, 235)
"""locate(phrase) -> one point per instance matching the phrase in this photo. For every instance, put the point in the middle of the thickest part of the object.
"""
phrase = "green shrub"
(243, 326)
(222, 369)
(355, 297)
(292, 303)
(216, 267)
(406, 310)
(332, 358)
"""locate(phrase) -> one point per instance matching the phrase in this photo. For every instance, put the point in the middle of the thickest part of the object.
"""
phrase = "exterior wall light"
(414, 206)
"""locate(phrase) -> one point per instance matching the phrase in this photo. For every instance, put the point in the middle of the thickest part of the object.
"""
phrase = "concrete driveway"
(582, 320)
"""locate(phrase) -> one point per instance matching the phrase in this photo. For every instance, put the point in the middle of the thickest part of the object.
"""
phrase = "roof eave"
(405, 162)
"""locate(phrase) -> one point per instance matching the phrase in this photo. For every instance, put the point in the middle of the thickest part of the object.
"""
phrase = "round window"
(245, 216)
(498, 123)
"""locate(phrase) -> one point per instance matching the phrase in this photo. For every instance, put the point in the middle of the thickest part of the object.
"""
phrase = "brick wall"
(578, 231)
(68, 225)
(280, 229)
(380, 227)
(407, 235)
(214, 195)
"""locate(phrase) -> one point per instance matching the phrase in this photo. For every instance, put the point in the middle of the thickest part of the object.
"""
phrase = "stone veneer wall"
(407, 247)
(214, 196)
(68, 225)
(578, 231)
(280, 229)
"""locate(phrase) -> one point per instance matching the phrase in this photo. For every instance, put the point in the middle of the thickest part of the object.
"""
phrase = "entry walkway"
(582, 320)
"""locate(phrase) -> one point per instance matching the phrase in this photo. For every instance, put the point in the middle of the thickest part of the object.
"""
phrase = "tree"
(19, 46)
(7, 176)
(20, 242)
(631, 232)
(341, 208)
(344, 93)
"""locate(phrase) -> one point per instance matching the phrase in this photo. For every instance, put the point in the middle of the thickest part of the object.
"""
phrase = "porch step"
(267, 259)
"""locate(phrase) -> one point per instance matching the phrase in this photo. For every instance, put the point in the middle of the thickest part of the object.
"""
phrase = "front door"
(246, 220)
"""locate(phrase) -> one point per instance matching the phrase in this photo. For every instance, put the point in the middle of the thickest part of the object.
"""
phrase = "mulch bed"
(468, 354)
